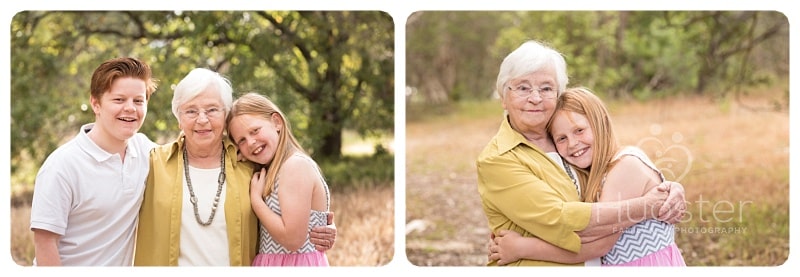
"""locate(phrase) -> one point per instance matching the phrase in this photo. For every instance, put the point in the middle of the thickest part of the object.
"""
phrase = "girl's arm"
(297, 178)
(626, 199)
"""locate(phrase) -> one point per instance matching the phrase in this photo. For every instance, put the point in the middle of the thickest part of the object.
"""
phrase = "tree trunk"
(328, 125)
(331, 148)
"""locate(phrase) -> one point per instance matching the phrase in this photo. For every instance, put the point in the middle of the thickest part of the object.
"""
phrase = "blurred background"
(704, 93)
(331, 72)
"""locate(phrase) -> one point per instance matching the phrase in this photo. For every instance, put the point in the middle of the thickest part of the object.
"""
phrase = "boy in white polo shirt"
(88, 192)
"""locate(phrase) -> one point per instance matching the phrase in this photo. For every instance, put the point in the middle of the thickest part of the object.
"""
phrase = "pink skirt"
(314, 258)
(669, 256)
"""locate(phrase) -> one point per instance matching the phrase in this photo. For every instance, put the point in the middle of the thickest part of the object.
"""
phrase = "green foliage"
(353, 172)
(328, 70)
(623, 54)
(446, 54)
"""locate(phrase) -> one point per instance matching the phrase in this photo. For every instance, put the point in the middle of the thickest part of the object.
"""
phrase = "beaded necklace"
(571, 175)
(193, 198)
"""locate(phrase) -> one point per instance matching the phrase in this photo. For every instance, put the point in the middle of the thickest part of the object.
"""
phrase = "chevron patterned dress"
(272, 253)
(648, 243)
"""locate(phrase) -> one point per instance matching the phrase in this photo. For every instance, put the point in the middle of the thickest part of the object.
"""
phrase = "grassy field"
(732, 157)
(364, 219)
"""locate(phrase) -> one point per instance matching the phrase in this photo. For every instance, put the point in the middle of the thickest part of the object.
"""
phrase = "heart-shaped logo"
(674, 160)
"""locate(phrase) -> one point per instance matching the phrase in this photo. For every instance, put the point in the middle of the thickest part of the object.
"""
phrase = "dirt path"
(445, 224)
(453, 232)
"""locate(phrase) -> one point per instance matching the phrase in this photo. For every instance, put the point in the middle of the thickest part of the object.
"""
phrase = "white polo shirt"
(92, 199)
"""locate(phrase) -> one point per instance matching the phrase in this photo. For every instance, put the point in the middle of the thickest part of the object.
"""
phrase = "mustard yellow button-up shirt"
(523, 190)
(158, 237)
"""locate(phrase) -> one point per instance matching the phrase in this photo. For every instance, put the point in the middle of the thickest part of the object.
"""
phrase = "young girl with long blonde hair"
(289, 194)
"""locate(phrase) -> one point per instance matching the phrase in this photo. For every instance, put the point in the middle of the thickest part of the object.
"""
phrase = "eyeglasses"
(194, 113)
(545, 92)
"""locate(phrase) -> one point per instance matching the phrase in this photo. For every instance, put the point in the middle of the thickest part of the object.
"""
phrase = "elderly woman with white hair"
(196, 208)
(524, 184)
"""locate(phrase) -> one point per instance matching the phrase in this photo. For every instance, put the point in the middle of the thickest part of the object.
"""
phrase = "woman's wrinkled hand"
(324, 237)
(503, 247)
(674, 207)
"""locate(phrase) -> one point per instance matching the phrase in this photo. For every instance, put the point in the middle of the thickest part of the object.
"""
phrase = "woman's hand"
(504, 248)
(675, 205)
(655, 200)
(324, 237)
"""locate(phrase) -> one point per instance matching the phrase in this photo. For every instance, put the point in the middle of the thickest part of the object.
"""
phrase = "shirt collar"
(508, 138)
(95, 151)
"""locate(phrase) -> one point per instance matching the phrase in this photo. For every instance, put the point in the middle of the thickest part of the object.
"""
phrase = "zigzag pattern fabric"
(317, 218)
(640, 240)
(645, 237)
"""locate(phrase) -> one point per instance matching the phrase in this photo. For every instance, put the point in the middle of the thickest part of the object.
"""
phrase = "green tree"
(447, 57)
(328, 70)
(617, 53)
(726, 41)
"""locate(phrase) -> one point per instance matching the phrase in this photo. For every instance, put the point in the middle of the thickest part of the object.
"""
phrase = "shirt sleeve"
(513, 189)
(51, 200)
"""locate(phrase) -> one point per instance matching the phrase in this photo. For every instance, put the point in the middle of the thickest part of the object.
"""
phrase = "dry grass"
(731, 147)
(21, 236)
(733, 161)
(365, 227)
(364, 220)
